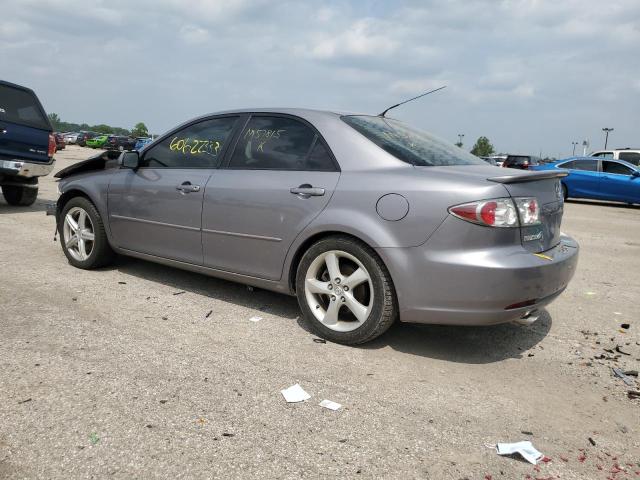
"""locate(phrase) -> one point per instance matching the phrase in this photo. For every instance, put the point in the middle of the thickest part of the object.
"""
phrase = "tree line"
(139, 130)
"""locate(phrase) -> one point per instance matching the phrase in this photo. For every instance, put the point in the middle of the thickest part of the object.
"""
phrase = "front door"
(157, 208)
(618, 182)
(280, 176)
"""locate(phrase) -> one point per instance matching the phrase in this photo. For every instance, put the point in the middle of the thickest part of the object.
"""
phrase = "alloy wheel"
(78, 234)
(339, 290)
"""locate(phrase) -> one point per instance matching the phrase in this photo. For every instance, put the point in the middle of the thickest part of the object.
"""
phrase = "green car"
(97, 142)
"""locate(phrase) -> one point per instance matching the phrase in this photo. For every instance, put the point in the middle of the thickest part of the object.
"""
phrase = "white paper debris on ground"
(255, 319)
(295, 394)
(330, 405)
(617, 313)
(589, 293)
(526, 449)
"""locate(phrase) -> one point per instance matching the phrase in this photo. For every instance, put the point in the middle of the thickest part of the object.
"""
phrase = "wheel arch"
(309, 241)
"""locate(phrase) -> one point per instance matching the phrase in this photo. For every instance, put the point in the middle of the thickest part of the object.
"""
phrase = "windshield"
(409, 144)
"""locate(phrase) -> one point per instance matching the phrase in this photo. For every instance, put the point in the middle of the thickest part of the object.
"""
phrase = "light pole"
(574, 148)
(606, 138)
(460, 137)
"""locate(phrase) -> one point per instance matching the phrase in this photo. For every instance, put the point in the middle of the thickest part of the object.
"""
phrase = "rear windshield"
(409, 144)
(22, 107)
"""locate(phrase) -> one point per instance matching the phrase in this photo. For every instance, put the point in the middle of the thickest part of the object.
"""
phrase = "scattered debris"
(163, 401)
(24, 401)
(631, 373)
(525, 449)
(149, 426)
(201, 421)
(620, 351)
(617, 313)
(626, 326)
(319, 340)
(620, 374)
(180, 292)
(93, 438)
(225, 434)
(295, 394)
(589, 293)
(255, 319)
(330, 405)
(165, 318)
(592, 441)
(633, 394)
(208, 314)
(75, 299)
(526, 432)
(122, 283)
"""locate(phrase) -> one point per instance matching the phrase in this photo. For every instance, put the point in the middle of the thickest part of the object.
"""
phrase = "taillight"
(52, 145)
(499, 212)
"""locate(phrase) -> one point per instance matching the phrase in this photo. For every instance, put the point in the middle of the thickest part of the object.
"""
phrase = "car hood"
(108, 159)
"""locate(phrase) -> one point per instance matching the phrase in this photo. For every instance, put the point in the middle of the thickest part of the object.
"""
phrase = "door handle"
(306, 191)
(186, 187)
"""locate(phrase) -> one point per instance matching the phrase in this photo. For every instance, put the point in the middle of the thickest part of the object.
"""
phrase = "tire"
(20, 196)
(84, 252)
(565, 191)
(329, 306)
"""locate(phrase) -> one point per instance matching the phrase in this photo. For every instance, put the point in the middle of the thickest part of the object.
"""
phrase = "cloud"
(528, 74)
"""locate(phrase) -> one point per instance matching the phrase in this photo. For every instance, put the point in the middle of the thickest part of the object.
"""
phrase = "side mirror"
(129, 160)
(635, 173)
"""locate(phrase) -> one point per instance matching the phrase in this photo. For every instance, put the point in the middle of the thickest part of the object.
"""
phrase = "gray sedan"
(366, 219)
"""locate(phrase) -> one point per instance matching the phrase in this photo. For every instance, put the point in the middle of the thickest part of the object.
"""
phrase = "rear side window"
(615, 167)
(409, 144)
(631, 157)
(589, 165)
(280, 143)
(567, 165)
(196, 146)
(22, 107)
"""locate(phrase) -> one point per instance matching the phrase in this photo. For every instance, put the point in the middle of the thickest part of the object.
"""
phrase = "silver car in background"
(366, 219)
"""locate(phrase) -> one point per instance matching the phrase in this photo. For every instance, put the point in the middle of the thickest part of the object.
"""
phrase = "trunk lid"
(24, 126)
(545, 187)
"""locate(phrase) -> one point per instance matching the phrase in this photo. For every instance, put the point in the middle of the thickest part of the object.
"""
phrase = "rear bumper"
(24, 169)
(477, 286)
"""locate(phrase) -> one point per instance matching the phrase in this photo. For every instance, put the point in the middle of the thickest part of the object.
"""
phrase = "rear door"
(157, 209)
(618, 182)
(24, 126)
(280, 176)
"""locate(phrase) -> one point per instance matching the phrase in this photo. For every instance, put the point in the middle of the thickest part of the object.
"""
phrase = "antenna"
(406, 101)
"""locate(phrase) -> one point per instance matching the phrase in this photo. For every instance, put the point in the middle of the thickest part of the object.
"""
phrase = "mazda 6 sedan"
(365, 219)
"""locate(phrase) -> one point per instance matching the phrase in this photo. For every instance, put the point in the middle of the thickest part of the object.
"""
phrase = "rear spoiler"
(521, 177)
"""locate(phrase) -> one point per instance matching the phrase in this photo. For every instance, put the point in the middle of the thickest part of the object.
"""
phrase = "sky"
(531, 75)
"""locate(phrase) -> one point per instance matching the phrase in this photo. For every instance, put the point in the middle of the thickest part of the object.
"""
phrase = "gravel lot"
(120, 373)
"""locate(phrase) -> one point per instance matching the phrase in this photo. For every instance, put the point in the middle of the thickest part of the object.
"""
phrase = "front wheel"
(82, 234)
(345, 291)
(20, 196)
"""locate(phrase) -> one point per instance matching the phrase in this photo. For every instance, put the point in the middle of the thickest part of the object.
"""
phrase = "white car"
(631, 155)
(70, 138)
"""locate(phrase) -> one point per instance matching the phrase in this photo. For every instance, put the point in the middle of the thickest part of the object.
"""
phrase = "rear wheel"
(20, 196)
(84, 240)
(345, 291)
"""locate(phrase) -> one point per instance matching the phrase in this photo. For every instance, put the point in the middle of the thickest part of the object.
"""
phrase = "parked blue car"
(601, 179)
(141, 142)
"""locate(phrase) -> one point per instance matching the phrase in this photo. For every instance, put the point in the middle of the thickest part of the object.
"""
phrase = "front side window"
(568, 165)
(196, 146)
(409, 144)
(588, 165)
(631, 157)
(615, 167)
(280, 143)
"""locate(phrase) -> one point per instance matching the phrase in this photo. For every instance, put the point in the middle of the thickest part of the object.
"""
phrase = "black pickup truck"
(27, 144)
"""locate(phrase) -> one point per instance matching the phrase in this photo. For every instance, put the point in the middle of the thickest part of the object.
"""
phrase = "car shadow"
(40, 205)
(227, 291)
(472, 345)
(602, 203)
